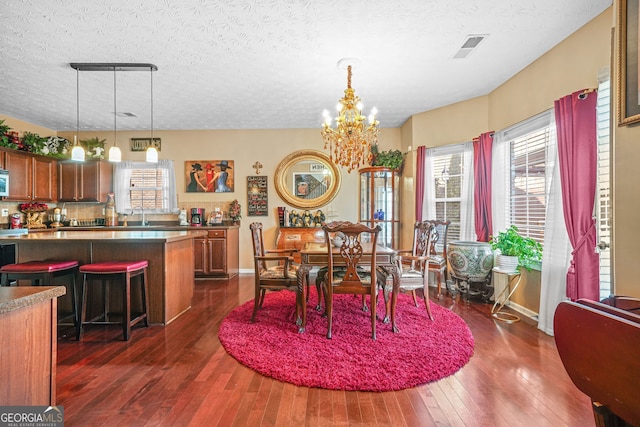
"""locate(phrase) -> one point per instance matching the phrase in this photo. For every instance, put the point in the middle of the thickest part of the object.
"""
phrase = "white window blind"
(448, 173)
(603, 196)
(520, 176)
(148, 186)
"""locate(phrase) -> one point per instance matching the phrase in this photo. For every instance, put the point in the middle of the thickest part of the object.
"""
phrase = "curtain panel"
(578, 154)
(482, 147)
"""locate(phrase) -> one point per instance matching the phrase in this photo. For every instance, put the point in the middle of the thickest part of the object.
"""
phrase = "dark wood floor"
(180, 375)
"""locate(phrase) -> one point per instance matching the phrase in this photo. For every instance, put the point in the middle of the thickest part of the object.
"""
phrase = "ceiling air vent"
(469, 45)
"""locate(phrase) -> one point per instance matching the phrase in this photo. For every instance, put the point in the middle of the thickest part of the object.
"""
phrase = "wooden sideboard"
(296, 237)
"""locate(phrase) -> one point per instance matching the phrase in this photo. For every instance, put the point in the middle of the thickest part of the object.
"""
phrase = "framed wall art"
(141, 144)
(209, 176)
(257, 196)
(628, 90)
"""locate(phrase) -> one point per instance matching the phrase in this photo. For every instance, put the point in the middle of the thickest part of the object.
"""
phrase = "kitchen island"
(170, 273)
(28, 344)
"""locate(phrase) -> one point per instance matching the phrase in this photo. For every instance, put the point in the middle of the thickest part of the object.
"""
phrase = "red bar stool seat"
(120, 272)
(44, 273)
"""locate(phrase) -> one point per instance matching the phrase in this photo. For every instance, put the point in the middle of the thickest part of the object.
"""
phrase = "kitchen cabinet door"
(88, 181)
(19, 165)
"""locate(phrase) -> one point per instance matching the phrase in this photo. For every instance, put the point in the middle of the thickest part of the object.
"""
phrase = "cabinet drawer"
(218, 233)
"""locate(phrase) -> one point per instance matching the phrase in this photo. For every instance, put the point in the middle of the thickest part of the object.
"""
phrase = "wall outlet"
(5, 212)
(63, 211)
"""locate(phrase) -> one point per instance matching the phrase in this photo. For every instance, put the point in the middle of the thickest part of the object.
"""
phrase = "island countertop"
(170, 255)
(17, 297)
(97, 234)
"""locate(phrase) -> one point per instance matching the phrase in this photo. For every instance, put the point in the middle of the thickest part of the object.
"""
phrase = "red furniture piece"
(598, 345)
(44, 273)
(120, 272)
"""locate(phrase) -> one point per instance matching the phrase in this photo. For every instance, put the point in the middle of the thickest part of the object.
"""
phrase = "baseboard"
(523, 310)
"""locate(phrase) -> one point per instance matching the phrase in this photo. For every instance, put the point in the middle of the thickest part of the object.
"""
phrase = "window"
(603, 196)
(449, 189)
(519, 185)
(448, 170)
(528, 183)
(147, 186)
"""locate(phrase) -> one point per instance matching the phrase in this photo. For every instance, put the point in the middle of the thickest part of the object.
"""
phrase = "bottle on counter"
(110, 215)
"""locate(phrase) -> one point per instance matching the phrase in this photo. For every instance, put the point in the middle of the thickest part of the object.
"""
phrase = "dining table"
(316, 255)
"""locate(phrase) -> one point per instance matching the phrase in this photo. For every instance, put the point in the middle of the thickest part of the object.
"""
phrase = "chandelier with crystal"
(349, 143)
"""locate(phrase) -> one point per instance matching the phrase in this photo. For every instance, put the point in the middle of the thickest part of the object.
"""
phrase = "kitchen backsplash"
(90, 211)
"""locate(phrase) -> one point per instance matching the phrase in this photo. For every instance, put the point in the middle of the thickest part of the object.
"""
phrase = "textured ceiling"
(256, 64)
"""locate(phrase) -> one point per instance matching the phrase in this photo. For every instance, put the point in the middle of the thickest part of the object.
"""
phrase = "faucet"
(144, 223)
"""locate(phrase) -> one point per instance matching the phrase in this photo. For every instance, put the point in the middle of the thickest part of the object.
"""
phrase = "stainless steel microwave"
(4, 183)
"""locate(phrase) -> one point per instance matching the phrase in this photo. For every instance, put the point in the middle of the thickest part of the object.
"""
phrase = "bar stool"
(117, 271)
(43, 273)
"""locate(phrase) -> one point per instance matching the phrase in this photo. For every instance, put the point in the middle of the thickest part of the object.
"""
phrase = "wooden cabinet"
(88, 181)
(380, 203)
(217, 254)
(33, 177)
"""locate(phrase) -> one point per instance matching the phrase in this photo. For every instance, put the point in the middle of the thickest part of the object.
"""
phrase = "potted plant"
(523, 251)
(392, 159)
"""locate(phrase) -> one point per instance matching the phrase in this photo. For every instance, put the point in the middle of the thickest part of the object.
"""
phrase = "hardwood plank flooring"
(180, 375)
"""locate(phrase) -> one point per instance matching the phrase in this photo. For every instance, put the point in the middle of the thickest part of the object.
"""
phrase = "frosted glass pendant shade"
(77, 153)
(152, 155)
(115, 155)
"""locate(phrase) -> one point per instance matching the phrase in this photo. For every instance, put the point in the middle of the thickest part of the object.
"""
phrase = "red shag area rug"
(423, 351)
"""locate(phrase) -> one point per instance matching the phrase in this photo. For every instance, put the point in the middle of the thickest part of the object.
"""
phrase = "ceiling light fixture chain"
(349, 143)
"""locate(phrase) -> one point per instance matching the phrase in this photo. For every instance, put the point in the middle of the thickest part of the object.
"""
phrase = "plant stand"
(505, 295)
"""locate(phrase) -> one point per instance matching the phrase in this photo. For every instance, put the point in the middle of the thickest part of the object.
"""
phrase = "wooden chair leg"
(329, 309)
(415, 299)
(373, 312)
(427, 304)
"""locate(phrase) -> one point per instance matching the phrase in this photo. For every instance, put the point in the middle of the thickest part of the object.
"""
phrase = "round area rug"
(423, 351)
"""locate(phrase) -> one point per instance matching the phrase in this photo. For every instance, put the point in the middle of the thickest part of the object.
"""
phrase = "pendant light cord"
(115, 109)
(77, 104)
(151, 71)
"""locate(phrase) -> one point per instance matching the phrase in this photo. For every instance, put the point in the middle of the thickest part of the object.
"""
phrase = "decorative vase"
(470, 260)
(507, 263)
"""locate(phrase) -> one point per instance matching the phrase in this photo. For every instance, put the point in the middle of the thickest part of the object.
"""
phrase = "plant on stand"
(515, 250)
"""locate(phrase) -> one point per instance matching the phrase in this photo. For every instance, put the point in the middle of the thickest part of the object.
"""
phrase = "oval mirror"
(307, 179)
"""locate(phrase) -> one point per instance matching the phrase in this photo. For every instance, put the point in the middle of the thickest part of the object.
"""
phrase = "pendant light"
(151, 154)
(115, 155)
(77, 152)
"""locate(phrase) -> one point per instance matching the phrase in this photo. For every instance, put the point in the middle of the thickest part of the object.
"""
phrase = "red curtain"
(578, 154)
(482, 185)
(421, 160)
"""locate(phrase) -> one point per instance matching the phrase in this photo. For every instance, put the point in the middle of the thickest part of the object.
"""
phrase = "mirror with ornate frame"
(307, 179)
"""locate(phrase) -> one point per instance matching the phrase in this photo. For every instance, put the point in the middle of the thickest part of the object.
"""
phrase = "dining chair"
(438, 251)
(358, 276)
(274, 270)
(412, 266)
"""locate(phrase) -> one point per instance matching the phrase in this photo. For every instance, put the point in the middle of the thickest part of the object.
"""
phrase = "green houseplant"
(392, 159)
(513, 244)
